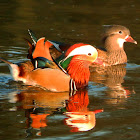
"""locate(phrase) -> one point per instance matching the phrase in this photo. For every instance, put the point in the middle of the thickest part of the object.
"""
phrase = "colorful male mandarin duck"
(113, 40)
(71, 73)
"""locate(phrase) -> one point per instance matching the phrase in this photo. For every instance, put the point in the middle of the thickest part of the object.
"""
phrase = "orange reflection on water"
(40, 104)
(79, 117)
(38, 120)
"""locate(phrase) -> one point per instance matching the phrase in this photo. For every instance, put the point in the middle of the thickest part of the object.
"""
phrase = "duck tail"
(14, 68)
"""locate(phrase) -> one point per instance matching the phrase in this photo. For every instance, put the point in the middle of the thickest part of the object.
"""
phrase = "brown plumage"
(113, 40)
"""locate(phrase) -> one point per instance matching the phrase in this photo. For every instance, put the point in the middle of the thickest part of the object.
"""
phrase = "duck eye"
(89, 54)
(120, 32)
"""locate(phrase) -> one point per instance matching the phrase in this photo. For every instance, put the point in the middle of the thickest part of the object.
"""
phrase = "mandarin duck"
(113, 42)
(71, 73)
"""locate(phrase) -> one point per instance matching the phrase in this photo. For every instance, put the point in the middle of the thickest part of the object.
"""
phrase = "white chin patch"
(120, 41)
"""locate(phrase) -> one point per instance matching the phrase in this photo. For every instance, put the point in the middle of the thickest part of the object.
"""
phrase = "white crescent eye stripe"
(83, 50)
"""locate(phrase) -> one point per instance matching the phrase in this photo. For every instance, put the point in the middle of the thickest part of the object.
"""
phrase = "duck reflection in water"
(35, 120)
(39, 105)
(113, 78)
(79, 116)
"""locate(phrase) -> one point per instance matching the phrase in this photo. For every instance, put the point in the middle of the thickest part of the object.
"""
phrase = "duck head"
(115, 36)
(77, 60)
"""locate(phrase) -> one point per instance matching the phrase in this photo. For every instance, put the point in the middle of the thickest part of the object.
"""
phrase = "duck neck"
(115, 51)
(114, 44)
(79, 72)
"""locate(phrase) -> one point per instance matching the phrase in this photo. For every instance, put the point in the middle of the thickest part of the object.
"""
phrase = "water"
(109, 106)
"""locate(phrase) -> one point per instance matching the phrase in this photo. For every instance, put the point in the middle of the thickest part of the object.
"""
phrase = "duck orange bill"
(130, 39)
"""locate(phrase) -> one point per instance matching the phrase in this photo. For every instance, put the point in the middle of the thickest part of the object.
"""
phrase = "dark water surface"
(108, 109)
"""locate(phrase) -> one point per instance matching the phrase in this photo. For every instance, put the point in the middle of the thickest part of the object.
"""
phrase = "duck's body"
(112, 58)
(74, 75)
(50, 79)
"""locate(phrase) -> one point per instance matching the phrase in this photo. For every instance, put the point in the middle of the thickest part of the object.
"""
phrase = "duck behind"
(113, 40)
